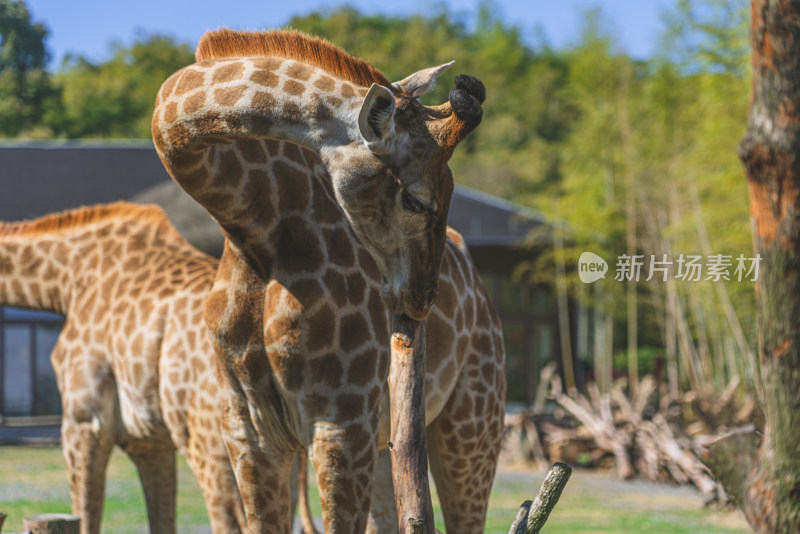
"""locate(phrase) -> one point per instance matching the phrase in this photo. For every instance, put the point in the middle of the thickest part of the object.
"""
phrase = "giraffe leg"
(155, 461)
(382, 512)
(263, 479)
(87, 449)
(344, 460)
(463, 446)
(88, 430)
(218, 484)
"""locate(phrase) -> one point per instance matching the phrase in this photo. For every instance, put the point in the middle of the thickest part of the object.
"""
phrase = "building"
(38, 179)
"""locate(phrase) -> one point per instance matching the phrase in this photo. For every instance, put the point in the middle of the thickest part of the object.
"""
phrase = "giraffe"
(133, 361)
(29, 269)
(299, 310)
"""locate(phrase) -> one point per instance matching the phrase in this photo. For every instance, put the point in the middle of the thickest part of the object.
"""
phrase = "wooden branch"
(548, 496)
(532, 516)
(521, 520)
(2, 520)
(52, 524)
(408, 445)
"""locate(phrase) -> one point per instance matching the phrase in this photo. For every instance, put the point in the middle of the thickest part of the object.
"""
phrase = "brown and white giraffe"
(185, 395)
(134, 359)
(297, 310)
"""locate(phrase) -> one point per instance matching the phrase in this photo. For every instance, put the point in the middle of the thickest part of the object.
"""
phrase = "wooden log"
(602, 430)
(52, 524)
(683, 460)
(407, 412)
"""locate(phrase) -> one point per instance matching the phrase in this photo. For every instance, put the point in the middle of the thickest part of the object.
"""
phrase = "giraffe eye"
(412, 203)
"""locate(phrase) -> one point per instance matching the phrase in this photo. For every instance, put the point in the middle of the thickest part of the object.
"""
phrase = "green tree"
(115, 98)
(514, 150)
(24, 82)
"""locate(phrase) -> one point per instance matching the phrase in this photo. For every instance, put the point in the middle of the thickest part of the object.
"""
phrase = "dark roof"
(487, 220)
(42, 178)
(39, 179)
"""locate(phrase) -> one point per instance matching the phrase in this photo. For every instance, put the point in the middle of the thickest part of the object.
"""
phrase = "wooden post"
(52, 524)
(408, 447)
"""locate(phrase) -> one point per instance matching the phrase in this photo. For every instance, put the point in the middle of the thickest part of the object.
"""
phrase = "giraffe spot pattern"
(265, 78)
(228, 73)
(229, 96)
(293, 88)
(334, 314)
(189, 80)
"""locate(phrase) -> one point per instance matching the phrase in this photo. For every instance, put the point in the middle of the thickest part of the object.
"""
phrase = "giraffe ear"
(376, 118)
(421, 82)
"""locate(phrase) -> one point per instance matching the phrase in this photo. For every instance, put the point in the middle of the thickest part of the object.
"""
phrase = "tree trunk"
(767, 482)
(563, 311)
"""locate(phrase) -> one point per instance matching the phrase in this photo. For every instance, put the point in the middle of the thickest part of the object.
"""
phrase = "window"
(28, 385)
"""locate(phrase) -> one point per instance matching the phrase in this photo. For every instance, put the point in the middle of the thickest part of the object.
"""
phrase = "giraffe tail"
(302, 481)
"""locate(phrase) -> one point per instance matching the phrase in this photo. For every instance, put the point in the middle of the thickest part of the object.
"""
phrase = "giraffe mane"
(87, 215)
(290, 44)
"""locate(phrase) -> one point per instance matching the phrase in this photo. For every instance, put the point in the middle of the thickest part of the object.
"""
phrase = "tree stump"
(52, 524)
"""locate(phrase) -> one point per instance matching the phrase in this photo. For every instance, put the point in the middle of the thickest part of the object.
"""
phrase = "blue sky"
(87, 27)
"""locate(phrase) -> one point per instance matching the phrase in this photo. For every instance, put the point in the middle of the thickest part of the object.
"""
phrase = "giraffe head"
(395, 186)
(385, 152)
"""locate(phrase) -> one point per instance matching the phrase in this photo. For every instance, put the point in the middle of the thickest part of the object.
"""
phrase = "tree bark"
(408, 445)
(768, 486)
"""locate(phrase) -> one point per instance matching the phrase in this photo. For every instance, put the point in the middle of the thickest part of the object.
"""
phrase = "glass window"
(17, 385)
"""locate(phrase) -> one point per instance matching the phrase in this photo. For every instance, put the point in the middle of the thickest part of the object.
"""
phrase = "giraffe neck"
(283, 179)
(47, 262)
(210, 115)
(34, 271)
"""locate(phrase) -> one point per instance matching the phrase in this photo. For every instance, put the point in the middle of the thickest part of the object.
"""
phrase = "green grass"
(33, 481)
